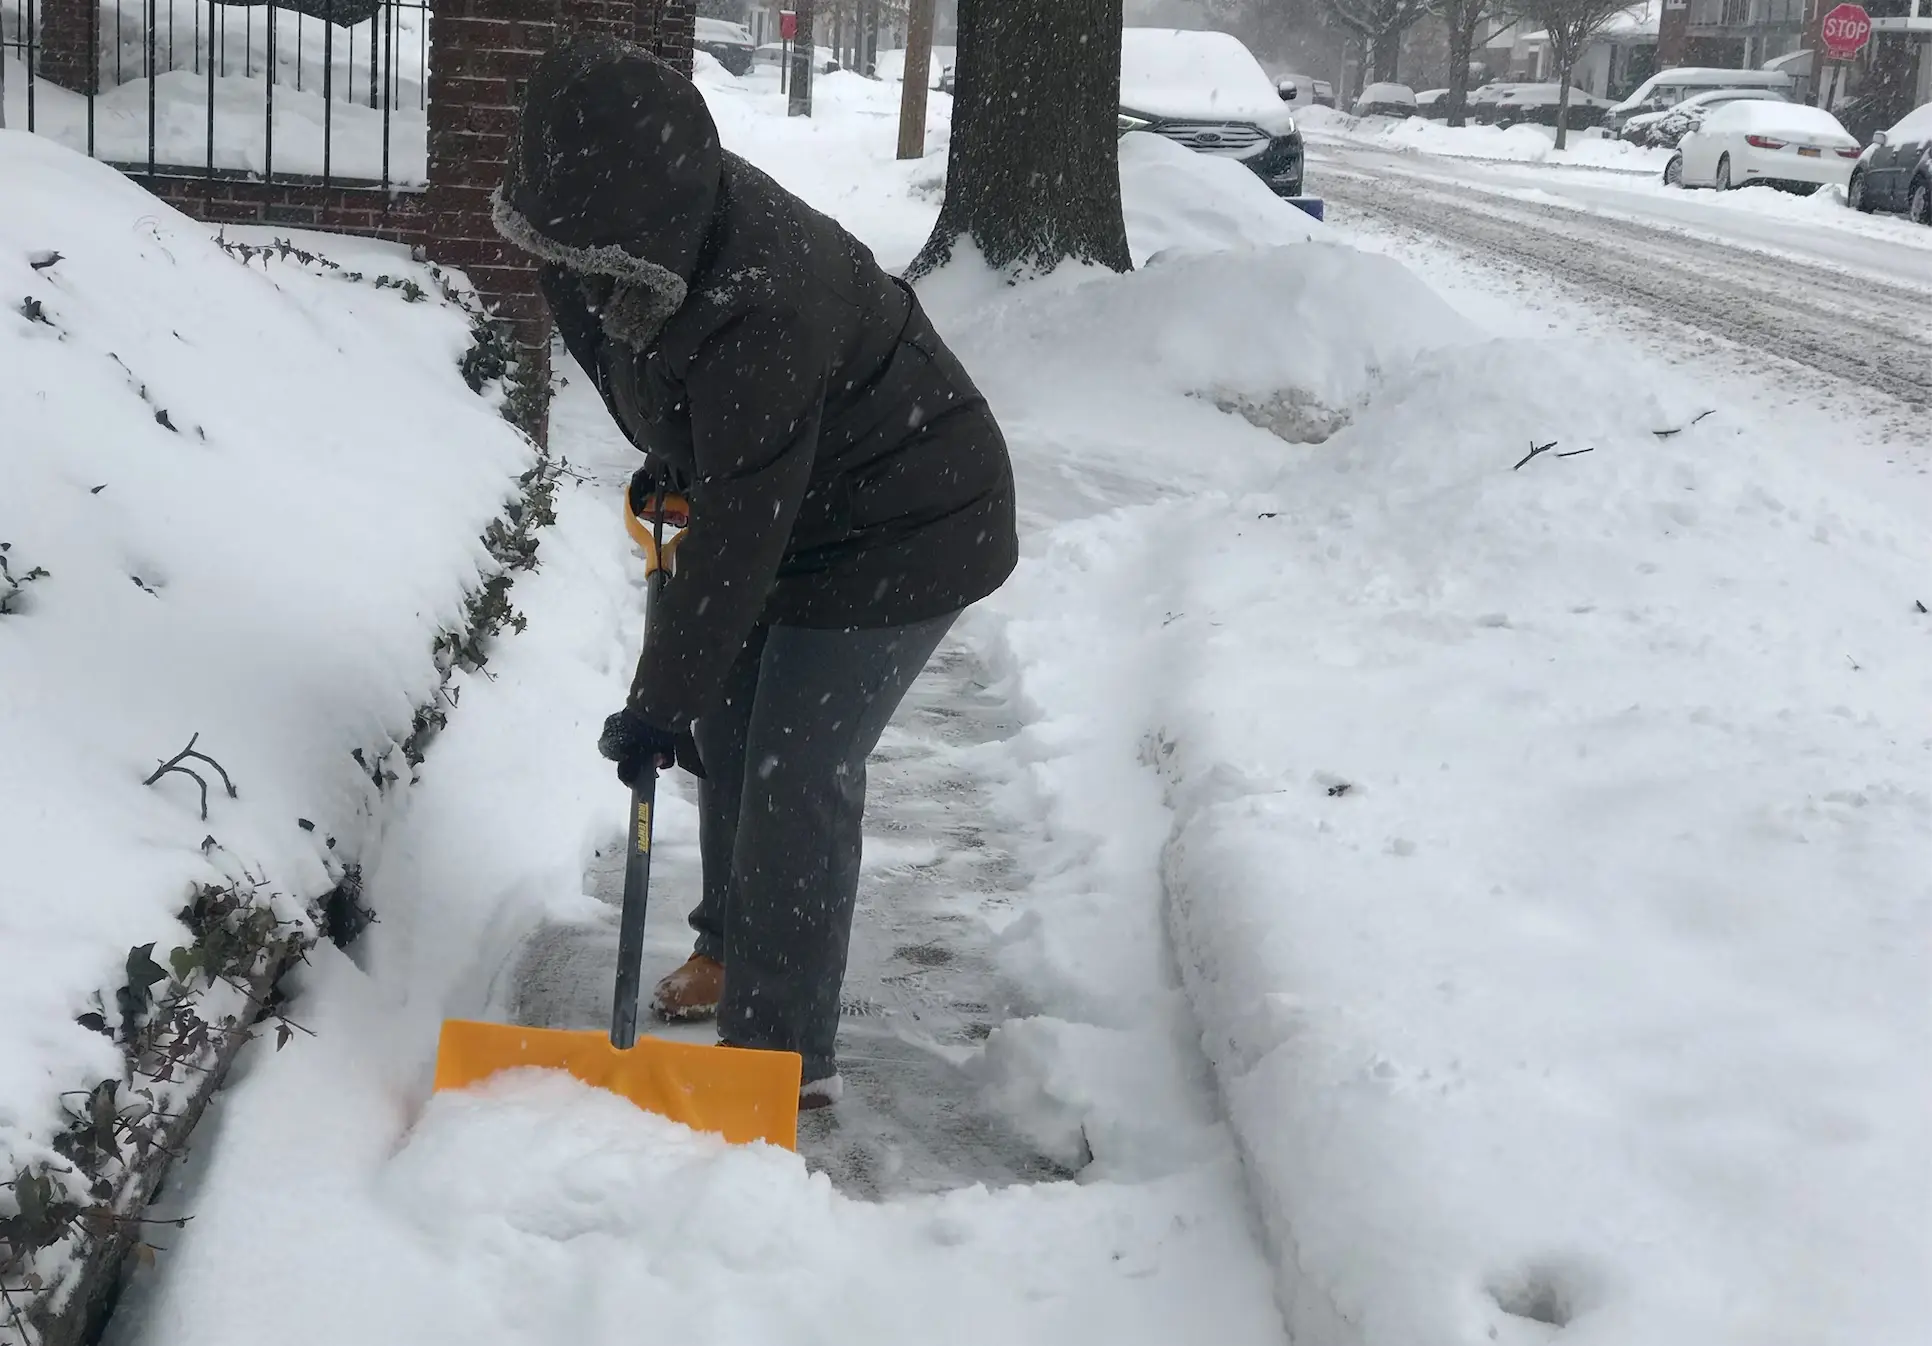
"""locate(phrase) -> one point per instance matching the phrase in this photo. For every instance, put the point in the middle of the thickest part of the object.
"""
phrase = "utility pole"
(804, 57)
(918, 73)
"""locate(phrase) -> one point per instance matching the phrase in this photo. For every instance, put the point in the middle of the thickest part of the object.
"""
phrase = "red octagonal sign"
(1845, 30)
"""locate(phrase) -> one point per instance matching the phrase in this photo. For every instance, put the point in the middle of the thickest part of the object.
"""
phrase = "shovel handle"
(637, 845)
(630, 930)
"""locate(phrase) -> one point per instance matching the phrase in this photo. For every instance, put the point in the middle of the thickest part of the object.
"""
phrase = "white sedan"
(1795, 147)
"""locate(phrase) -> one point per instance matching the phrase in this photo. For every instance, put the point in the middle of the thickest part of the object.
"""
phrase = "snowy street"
(1429, 848)
(1804, 280)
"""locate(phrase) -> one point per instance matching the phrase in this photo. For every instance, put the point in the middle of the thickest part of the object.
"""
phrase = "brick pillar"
(69, 53)
(482, 52)
(667, 29)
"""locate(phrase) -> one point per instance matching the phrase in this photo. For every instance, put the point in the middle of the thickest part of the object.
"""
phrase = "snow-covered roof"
(1172, 72)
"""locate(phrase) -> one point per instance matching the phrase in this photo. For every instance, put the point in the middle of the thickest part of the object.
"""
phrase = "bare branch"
(174, 764)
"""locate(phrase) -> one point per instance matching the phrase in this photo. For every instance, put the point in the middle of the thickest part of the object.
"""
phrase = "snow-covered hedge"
(253, 502)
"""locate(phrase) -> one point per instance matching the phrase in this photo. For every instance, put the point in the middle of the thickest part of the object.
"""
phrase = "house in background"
(1621, 57)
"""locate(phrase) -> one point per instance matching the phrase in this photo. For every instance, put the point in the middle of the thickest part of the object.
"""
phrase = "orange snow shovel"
(742, 1094)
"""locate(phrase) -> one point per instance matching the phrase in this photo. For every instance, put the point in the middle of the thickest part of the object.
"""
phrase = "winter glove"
(635, 745)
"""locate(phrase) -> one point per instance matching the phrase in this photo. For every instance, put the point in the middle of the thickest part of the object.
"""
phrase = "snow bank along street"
(1429, 847)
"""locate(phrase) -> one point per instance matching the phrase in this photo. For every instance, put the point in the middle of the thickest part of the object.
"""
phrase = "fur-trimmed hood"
(614, 178)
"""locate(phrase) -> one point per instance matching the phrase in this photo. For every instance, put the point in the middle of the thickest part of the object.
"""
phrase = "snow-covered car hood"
(1166, 72)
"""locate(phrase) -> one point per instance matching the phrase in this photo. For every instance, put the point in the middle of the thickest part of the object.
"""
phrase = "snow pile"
(256, 495)
(1522, 143)
(1546, 866)
(1175, 198)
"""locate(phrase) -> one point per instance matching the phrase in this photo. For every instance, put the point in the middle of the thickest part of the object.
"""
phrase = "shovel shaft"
(630, 930)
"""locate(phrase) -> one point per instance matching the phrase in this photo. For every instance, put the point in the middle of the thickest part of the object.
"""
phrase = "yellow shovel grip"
(677, 514)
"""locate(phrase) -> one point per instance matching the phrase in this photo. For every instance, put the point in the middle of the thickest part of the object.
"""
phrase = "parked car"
(1895, 171)
(1537, 103)
(1481, 104)
(730, 42)
(947, 82)
(1386, 100)
(1433, 104)
(1667, 88)
(1663, 130)
(1305, 91)
(1206, 91)
(772, 54)
(1798, 148)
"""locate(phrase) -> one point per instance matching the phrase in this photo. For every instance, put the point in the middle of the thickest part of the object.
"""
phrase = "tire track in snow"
(1849, 328)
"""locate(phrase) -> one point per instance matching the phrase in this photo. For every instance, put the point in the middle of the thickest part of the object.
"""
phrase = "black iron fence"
(333, 92)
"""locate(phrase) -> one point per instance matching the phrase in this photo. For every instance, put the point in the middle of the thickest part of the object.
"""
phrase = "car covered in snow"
(1432, 103)
(1537, 104)
(1206, 91)
(1663, 130)
(730, 43)
(1667, 88)
(1785, 144)
(773, 55)
(1895, 171)
(1305, 92)
(1385, 100)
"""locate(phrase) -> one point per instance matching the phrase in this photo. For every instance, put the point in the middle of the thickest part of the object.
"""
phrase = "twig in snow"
(1535, 449)
(31, 310)
(40, 261)
(1679, 429)
(1919, 603)
(1578, 453)
(174, 764)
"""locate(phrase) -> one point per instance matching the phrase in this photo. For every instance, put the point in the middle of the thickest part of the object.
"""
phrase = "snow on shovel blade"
(741, 1094)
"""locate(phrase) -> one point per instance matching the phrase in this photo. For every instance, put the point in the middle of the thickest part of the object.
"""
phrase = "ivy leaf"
(183, 961)
(33, 1194)
(92, 1021)
(142, 970)
(103, 1114)
(282, 1034)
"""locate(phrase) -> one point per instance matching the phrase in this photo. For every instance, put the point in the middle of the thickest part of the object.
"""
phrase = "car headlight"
(1129, 122)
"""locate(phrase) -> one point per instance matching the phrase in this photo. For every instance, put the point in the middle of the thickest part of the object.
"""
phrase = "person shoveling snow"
(849, 494)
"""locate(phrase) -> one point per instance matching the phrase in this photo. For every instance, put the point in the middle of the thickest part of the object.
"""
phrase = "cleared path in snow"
(1844, 323)
(920, 991)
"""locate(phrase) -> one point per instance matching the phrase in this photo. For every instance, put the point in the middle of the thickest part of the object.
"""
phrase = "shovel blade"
(742, 1095)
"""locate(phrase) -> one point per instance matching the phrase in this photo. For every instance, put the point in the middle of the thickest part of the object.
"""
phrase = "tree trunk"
(1034, 174)
(1462, 41)
(1386, 55)
(1563, 110)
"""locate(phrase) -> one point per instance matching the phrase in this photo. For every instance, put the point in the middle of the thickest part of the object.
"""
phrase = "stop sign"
(1845, 31)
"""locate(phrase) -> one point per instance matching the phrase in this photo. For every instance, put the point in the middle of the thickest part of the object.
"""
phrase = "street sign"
(1845, 31)
(788, 23)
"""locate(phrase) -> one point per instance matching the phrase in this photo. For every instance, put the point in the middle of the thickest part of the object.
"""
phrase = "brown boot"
(691, 992)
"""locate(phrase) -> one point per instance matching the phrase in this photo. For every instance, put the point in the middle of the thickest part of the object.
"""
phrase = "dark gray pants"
(780, 814)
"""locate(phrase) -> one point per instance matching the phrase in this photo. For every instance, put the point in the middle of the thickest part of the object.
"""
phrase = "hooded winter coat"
(843, 471)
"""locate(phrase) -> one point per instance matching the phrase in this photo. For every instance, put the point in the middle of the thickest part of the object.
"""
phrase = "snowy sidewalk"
(538, 1210)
